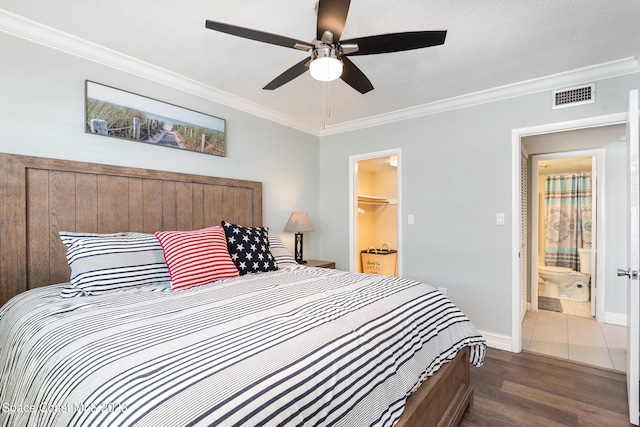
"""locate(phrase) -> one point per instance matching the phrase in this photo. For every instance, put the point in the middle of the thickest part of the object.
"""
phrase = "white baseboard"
(501, 342)
(615, 318)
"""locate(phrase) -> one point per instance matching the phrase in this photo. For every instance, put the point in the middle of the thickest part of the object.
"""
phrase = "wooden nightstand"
(321, 264)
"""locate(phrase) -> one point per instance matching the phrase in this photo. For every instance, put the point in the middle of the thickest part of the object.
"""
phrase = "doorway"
(375, 209)
(555, 217)
(566, 198)
(589, 134)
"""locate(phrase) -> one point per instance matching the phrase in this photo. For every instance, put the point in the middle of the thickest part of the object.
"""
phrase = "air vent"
(574, 96)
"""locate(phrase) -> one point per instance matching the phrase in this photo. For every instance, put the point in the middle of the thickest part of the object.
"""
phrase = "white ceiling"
(576, 139)
(490, 44)
(565, 165)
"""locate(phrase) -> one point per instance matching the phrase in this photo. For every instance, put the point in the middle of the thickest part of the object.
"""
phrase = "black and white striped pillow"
(108, 262)
(279, 251)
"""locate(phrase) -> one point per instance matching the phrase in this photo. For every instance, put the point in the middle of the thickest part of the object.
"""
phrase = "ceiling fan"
(329, 55)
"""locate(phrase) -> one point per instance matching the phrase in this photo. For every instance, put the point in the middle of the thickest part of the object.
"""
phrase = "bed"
(292, 345)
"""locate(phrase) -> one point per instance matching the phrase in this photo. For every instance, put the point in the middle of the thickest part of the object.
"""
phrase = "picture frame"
(121, 114)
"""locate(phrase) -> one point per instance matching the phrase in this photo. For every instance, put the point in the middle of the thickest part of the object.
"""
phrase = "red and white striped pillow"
(196, 257)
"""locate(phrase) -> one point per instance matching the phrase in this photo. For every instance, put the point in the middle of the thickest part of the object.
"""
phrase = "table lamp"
(298, 223)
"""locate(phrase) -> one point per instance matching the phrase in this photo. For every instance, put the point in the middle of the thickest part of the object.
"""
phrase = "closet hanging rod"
(374, 200)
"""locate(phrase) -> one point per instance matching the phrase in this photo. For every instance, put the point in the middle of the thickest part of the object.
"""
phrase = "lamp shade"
(299, 222)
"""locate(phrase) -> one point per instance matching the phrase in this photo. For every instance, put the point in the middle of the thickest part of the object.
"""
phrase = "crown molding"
(19, 26)
(27, 29)
(570, 78)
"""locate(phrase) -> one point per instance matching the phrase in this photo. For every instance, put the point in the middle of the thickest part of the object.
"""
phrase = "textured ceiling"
(490, 44)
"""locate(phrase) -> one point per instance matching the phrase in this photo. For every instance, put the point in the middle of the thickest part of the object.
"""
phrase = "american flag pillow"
(196, 257)
(249, 248)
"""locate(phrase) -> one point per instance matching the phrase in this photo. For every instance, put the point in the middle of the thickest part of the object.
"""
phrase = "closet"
(377, 212)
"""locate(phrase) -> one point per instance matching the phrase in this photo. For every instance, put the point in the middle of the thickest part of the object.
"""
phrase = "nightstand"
(320, 264)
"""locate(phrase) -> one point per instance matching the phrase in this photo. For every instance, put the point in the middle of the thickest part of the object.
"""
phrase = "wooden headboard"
(41, 197)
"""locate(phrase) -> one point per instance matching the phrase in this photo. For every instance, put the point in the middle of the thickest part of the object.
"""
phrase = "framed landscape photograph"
(121, 114)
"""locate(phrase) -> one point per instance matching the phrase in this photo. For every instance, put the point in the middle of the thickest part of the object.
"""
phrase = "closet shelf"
(374, 200)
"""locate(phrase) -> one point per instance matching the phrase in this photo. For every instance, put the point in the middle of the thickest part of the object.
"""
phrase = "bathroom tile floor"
(579, 339)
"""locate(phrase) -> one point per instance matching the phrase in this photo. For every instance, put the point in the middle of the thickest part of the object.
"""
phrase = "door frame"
(516, 148)
(633, 261)
(353, 202)
(598, 197)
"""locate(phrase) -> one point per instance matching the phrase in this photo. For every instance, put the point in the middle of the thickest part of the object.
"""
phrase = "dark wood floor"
(530, 390)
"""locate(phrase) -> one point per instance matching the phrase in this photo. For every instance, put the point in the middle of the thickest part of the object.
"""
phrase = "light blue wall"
(456, 167)
(456, 175)
(42, 114)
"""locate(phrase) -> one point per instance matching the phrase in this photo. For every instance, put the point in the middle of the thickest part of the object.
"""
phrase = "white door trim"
(516, 147)
(353, 202)
(633, 262)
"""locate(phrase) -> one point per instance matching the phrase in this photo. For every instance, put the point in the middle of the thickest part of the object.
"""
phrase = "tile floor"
(578, 339)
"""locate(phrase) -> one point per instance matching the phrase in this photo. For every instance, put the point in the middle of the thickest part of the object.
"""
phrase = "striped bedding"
(301, 346)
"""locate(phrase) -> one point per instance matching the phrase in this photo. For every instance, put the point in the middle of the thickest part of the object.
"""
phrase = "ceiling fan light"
(325, 65)
(326, 69)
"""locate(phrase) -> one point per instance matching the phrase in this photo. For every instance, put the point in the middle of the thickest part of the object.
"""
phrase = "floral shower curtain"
(568, 218)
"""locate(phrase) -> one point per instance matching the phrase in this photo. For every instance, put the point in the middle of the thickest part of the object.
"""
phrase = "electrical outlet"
(411, 219)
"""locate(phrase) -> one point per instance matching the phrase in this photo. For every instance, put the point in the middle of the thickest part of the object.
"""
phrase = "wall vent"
(573, 96)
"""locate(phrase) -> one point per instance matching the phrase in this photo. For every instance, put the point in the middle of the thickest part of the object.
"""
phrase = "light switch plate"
(499, 219)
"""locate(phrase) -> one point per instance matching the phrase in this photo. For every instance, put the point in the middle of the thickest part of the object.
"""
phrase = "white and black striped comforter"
(303, 346)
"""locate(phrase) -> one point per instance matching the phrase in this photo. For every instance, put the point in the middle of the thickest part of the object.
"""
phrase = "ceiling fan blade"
(260, 36)
(396, 42)
(332, 14)
(289, 75)
(354, 77)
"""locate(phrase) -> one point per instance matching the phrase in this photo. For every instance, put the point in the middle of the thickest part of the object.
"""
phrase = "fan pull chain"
(323, 92)
(328, 103)
(325, 105)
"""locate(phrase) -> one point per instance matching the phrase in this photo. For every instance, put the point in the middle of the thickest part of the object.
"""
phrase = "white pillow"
(109, 262)
(280, 252)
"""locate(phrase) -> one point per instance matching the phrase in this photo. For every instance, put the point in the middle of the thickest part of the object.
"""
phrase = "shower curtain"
(568, 218)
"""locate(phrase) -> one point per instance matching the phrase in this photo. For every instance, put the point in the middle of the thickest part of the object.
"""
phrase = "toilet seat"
(550, 270)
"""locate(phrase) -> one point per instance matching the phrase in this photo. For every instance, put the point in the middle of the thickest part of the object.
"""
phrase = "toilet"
(563, 282)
